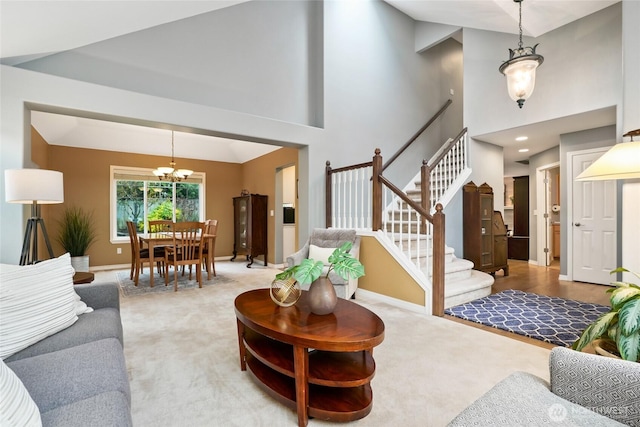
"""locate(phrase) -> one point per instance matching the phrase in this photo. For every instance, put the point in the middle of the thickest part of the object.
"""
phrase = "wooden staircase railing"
(437, 220)
(355, 198)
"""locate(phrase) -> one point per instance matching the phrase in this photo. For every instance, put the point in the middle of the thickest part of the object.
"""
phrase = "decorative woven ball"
(286, 292)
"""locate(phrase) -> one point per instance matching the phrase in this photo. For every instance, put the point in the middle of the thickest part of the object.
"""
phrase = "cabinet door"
(241, 220)
(486, 217)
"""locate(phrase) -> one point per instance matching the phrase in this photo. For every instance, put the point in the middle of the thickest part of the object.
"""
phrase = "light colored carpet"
(182, 355)
(128, 287)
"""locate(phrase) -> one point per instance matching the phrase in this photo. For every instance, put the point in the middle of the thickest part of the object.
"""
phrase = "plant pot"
(606, 348)
(80, 263)
(322, 296)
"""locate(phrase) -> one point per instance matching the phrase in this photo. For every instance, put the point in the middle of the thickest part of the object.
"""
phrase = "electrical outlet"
(119, 251)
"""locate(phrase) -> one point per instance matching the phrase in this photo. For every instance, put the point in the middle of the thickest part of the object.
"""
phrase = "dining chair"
(160, 225)
(209, 246)
(139, 255)
(186, 250)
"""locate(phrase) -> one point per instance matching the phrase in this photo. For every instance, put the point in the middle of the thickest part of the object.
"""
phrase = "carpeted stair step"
(478, 285)
(457, 269)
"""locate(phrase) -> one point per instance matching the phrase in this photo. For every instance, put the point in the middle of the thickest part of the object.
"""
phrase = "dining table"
(158, 238)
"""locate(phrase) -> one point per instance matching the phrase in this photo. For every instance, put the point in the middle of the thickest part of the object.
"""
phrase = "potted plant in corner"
(76, 234)
(322, 295)
(617, 331)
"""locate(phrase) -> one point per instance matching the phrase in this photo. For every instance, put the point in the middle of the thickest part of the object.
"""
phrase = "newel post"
(376, 192)
(437, 279)
(425, 191)
(328, 202)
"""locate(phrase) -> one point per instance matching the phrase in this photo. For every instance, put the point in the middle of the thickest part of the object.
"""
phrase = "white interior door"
(593, 222)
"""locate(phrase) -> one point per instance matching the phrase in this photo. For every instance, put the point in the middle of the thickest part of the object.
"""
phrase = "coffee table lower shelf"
(326, 403)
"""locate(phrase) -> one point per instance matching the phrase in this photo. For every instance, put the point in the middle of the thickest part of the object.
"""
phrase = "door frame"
(542, 235)
(569, 218)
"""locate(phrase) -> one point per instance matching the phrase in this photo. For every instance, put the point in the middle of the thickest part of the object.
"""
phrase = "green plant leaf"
(349, 268)
(595, 330)
(629, 317)
(286, 274)
(629, 346)
(308, 271)
(77, 231)
(621, 295)
(341, 253)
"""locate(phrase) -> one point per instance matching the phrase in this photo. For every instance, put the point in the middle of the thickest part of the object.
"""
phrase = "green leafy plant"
(340, 260)
(77, 231)
(621, 325)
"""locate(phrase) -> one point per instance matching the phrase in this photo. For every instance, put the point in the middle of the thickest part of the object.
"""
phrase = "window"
(138, 196)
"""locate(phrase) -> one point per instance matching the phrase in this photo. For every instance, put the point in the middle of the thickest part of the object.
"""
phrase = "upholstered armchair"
(321, 243)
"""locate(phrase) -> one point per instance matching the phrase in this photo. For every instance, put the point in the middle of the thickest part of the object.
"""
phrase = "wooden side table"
(82, 277)
(321, 366)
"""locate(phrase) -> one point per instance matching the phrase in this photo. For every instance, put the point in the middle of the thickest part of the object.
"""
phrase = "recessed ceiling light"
(523, 150)
(522, 138)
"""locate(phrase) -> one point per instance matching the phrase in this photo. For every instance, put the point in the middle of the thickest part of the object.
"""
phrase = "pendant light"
(520, 68)
(171, 173)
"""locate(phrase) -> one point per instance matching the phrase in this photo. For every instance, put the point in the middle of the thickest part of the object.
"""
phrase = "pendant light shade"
(520, 68)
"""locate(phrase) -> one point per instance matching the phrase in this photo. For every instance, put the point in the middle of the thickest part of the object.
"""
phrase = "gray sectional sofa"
(78, 377)
(585, 390)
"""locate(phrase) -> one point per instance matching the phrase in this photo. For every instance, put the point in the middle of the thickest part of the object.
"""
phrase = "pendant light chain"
(520, 25)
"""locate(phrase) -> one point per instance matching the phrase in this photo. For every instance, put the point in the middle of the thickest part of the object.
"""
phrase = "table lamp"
(35, 187)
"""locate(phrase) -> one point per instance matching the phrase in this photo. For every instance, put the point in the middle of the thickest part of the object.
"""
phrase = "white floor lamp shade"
(622, 161)
(35, 187)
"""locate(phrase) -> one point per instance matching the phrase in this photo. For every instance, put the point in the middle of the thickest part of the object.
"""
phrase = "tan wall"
(383, 274)
(259, 177)
(87, 180)
(86, 184)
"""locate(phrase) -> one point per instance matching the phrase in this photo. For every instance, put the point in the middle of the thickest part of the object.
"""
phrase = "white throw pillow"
(317, 253)
(36, 301)
(17, 408)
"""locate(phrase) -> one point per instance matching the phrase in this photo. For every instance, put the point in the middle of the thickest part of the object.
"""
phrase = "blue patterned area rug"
(554, 320)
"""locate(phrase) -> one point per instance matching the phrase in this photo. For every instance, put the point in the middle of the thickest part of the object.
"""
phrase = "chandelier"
(520, 68)
(171, 173)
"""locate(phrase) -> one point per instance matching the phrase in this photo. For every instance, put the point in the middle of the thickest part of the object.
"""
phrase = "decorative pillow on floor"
(17, 408)
(36, 301)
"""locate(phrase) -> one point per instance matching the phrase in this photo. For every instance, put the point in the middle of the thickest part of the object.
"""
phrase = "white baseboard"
(391, 301)
(564, 277)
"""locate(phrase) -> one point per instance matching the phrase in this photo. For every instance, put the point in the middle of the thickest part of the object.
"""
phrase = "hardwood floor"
(543, 281)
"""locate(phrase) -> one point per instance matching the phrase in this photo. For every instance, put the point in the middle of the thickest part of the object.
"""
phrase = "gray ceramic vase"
(322, 296)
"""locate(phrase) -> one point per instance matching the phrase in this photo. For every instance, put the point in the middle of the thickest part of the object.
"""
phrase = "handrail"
(416, 135)
(347, 168)
(444, 152)
(398, 192)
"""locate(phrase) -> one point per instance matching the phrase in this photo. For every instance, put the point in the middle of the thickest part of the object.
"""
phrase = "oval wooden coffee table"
(321, 366)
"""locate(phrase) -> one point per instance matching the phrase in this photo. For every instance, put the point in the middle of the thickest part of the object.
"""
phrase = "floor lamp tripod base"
(29, 254)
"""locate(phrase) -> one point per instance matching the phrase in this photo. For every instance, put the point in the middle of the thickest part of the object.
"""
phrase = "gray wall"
(262, 58)
(582, 71)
